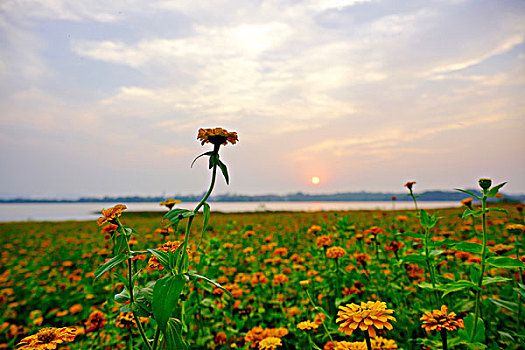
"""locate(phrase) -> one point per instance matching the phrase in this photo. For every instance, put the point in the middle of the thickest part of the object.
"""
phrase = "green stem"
(337, 282)
(322, 322)
(367, 338)
(156, 339)
(415, 201)
(483, 255)
(444, 338)
(430, 268)
(518, 295)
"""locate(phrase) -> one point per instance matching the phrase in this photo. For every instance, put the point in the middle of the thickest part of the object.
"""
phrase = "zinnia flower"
(335, 252)
(439, 319)
(366, 316)
(111, 214)
(217, 136)
(307, 325)
(270, 343)
(48, 338)
(169, 246)
(467, 202)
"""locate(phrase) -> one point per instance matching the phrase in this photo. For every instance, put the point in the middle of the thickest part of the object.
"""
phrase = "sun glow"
(316, 180)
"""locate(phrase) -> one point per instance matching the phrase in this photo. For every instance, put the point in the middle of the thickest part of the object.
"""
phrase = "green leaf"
(173, 336)
(457, 286)
(165, 298)
(205, 218)
(122, 297)
(505, 304)
(469, 212)
(424, 219)
(196, 275)
(494, 190)
(474, 273)
(224, 170)
(175, 215)
(111, 263)
(499, 210)
(200, 155)
(466, 333)
(469, 193)
(163, 258)
(505, 262)
(414, 258)
(469, 247)
(120, 242)
(497, 279)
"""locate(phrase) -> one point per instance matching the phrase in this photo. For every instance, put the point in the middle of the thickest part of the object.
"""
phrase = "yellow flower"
(365, 316)
(307, 325)
(48, 338)
(170, 202)
(381, 343)
(217, 136)
(439, 319)
(335, 252)
(323, 241)
(270, 343)
(169, 246)
(111, 214)
(410, 184)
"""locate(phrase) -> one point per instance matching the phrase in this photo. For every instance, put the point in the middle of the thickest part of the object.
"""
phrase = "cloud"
(503, 47)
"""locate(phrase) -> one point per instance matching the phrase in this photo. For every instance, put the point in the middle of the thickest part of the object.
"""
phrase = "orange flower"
(279, 279)
(217, 136)
(48, 338)
(323, 241)
(439, 319)
(111, 214)
(95, 321)
(307, 325)
(467, 202)
(366, 316)
(335, 252)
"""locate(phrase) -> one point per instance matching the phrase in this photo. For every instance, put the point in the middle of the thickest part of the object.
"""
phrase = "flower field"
(319, 280)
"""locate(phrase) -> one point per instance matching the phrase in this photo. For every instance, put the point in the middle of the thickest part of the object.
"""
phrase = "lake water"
(90, 211)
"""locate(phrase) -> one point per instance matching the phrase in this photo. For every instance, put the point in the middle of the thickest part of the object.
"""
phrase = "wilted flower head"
(439, 319)
(217, 136)
(48, 338)
(485, 183)
(410, 184)
(170, 203)
(365, 316)
(111, 214)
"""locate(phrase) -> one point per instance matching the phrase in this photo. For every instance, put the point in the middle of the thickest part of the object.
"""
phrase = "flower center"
(46, 337)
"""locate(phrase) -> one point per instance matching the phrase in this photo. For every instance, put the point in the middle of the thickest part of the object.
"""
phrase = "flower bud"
(485, 183)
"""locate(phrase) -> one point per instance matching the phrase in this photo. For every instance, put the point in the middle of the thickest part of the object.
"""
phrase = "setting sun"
(316, 180)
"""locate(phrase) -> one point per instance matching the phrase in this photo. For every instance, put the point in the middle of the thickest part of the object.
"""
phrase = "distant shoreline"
(427, 196)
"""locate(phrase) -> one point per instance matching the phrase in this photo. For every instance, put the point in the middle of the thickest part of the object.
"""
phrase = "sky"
(106, 97)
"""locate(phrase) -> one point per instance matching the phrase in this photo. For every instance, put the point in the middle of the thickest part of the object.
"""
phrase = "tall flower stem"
(522, 279)
(431, 268)
(367, 339)
(322, 321)
(415, 201)
(483, 256)
(444, 338)
(130, 286)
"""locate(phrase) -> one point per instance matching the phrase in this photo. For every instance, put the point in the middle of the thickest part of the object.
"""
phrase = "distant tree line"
(292, 197)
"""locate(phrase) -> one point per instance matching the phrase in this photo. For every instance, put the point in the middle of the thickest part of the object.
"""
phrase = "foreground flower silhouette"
(439, 319)
(365, 316)
(48, 338)
(217, 136)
